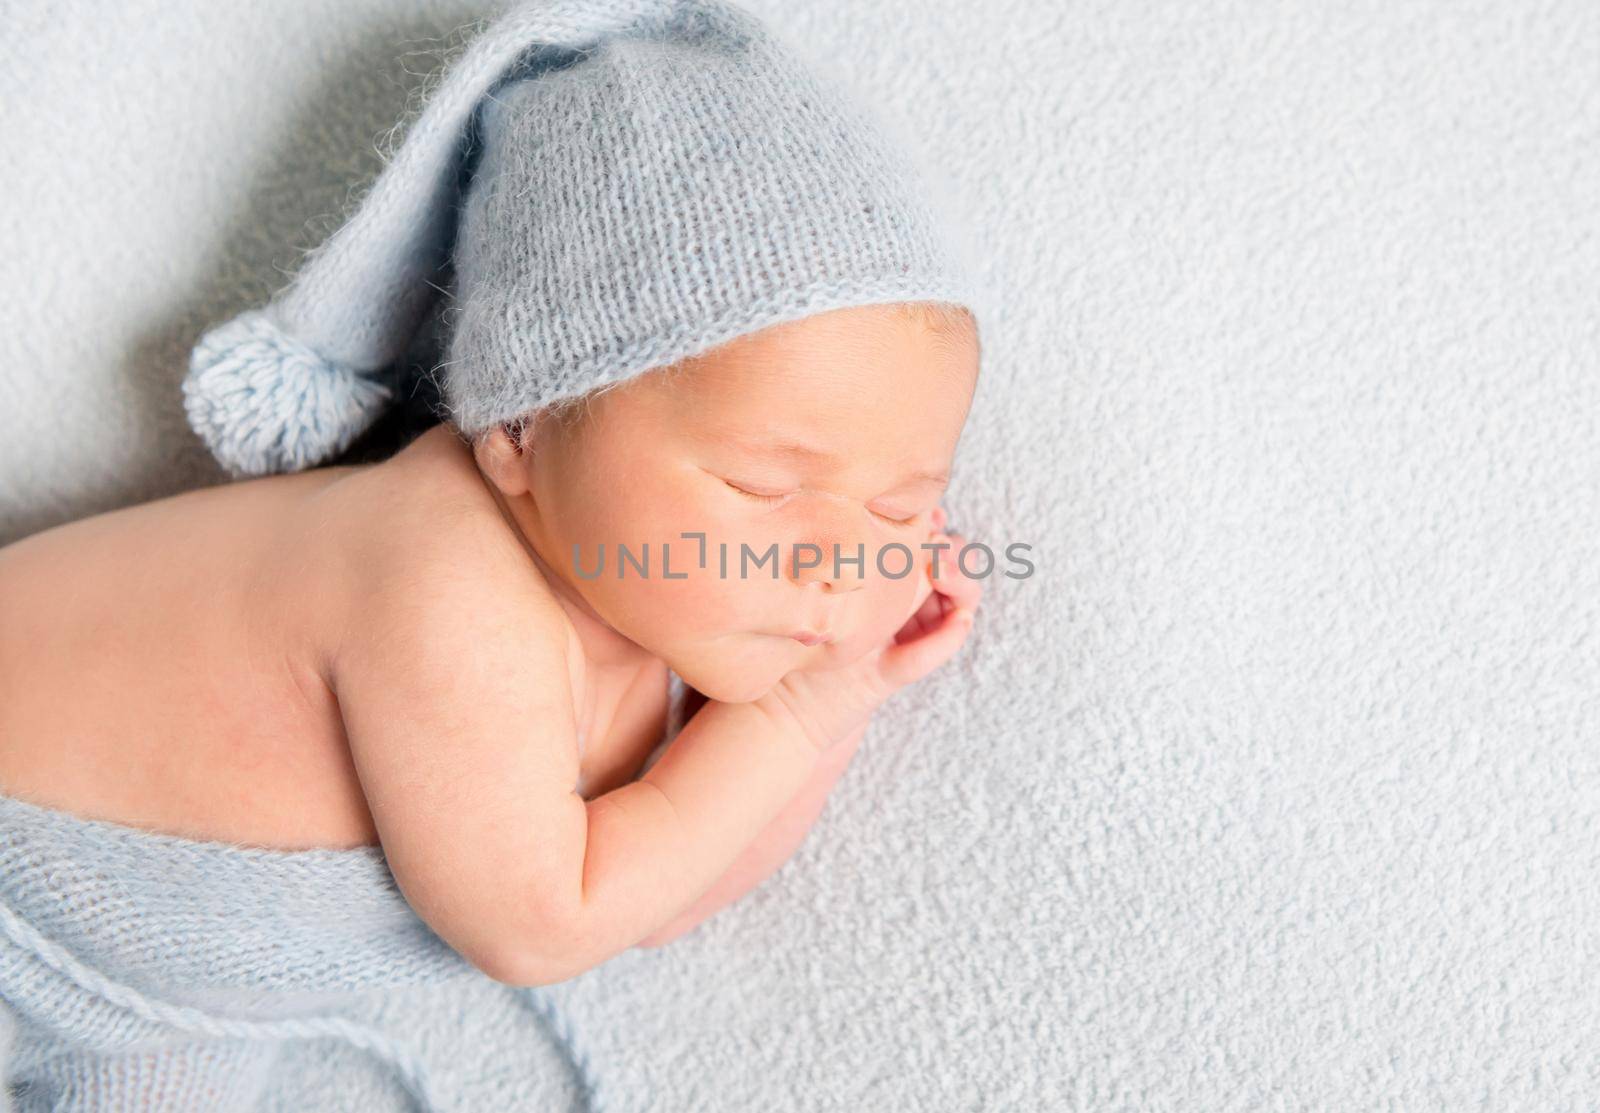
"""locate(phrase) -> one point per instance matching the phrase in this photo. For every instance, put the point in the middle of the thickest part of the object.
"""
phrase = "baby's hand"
(949, 590)
(832, 703)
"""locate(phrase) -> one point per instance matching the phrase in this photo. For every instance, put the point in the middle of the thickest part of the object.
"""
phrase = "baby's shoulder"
(441, 606)
(430, 491)
(425, 533)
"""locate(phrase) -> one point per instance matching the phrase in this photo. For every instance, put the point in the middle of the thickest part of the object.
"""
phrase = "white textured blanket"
(1277, 786)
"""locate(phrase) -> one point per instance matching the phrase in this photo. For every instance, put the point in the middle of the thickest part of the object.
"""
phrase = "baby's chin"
(748, 666)
(730, 685)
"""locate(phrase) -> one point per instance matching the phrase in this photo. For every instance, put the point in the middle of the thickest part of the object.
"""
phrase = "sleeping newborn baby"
(419, 653)
(702, 310)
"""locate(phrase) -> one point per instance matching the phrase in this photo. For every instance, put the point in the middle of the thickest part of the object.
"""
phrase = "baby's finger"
(907, 662)
(958, 588)
(940, 564)
(924, 618)
(963, 589)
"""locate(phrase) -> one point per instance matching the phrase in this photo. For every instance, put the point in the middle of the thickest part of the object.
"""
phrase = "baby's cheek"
(919, 594)
(698, 603)
(894, 603)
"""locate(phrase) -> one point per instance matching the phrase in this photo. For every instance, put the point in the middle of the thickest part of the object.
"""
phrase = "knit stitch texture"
(144, 971)
(611, 187)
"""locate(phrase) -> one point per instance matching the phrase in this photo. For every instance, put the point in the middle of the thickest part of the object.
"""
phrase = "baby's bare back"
(158, 670)
(165, 666)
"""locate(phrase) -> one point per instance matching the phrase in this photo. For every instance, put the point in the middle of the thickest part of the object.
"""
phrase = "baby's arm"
(770, 849)
(455, 691)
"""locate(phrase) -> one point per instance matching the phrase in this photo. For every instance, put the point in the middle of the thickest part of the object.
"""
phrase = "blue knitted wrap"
(141, 970)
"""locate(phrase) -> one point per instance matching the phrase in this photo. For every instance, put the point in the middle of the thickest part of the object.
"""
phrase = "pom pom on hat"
(284, 387)
(265, 402)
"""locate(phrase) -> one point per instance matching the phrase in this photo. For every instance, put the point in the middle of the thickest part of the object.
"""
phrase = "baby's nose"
(846, 581)
(837, 563)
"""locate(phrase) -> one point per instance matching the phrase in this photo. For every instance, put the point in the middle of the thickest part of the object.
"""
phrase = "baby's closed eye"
(898, 518)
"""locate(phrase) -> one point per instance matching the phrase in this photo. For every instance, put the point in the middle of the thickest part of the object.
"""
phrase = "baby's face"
(880, 398)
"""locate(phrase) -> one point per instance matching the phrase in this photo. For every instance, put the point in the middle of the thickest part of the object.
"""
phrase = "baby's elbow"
(539, 950)
(666, 934)
(523, 967)
(513, 968)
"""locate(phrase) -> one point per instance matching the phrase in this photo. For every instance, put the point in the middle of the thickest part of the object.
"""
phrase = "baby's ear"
(513, 431)
(501, 457)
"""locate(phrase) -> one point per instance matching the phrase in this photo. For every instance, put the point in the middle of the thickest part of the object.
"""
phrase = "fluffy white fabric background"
(1277, 785)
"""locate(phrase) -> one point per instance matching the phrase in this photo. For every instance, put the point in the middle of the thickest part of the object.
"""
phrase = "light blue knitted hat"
(615, 186)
